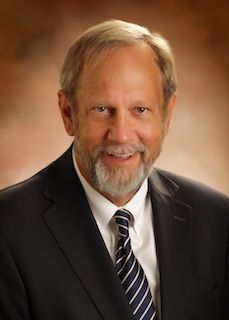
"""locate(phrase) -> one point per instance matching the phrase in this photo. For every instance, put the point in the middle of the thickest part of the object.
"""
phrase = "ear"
(66, 110)
(168, 115)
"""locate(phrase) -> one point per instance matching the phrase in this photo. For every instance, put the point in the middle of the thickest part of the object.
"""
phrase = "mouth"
(121, 160)
(121, 156)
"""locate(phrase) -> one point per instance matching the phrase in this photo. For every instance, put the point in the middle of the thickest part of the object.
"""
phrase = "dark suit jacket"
(54, 264)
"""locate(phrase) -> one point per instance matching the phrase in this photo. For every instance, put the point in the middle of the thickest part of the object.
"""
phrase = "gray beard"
(115, 181)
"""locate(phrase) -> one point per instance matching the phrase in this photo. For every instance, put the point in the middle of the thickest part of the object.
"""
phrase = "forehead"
(139, 56)
(106, 51)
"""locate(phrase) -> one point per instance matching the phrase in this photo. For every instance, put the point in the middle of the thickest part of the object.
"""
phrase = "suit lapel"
(172, 224)
(75, 230)
(73, 226)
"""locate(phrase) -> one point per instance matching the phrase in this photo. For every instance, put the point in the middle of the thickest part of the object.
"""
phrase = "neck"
(119, 202)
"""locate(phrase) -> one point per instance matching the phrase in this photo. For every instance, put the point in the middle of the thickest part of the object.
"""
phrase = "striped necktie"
(131, 273)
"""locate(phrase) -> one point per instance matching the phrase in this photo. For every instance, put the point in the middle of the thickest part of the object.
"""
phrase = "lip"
(122, 156)
(121, 160)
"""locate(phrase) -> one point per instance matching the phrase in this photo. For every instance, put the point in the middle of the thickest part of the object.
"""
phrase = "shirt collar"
(102, 208)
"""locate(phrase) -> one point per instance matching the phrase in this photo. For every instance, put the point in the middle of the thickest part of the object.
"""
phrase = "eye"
(142, 112)
(101, 109)
(141, 109)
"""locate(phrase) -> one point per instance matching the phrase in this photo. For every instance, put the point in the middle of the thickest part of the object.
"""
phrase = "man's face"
(118, 120)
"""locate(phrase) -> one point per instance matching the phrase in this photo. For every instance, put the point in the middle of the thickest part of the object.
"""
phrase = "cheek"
(151, 132)
(90, 136)
(151, 135)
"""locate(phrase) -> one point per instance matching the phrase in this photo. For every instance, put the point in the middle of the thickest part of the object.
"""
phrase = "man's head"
(118, 90)
(111, 34)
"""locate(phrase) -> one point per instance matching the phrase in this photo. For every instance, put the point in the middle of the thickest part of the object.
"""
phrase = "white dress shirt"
(140, 230)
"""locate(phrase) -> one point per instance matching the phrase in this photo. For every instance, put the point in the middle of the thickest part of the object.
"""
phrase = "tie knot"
(122, 218)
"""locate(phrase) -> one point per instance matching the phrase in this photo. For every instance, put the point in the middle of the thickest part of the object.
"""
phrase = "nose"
(121, 129)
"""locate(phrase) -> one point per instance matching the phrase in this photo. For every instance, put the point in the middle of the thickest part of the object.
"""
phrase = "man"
(99, 234)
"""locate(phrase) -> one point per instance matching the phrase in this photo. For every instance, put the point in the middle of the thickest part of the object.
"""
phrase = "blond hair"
(116, 33)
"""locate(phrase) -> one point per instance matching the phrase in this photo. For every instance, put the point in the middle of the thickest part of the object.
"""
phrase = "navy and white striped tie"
(131, 273)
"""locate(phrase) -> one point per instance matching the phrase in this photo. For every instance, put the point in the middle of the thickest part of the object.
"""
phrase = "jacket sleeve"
(227, 282)
(13, 299)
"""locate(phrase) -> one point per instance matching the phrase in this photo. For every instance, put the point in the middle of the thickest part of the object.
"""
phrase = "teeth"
(123, 156)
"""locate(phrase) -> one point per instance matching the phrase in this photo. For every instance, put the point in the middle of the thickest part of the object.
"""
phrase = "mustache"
(120, 149)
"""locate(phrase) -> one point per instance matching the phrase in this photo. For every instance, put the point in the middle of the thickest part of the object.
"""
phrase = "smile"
(127, 159)
(122, 156)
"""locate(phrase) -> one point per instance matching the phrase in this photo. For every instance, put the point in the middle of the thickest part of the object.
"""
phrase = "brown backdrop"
(35, 36)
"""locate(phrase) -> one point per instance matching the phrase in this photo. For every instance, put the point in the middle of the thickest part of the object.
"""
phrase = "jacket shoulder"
(194, 192)
(31, 186)
(23, 189)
